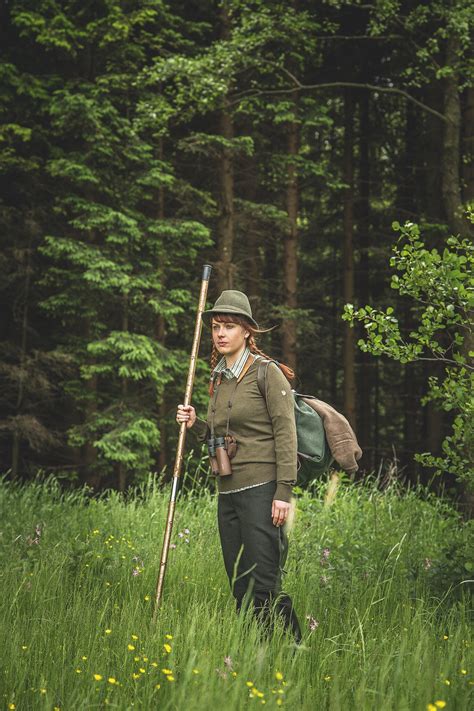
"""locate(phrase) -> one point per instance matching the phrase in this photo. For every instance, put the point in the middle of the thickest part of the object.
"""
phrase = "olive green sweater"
(265, 432)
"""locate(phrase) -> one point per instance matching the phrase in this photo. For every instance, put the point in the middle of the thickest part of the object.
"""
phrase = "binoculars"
(221, 451)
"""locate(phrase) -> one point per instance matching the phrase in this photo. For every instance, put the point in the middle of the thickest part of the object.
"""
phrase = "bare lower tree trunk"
(253, 242)
(468, 146)
(290, 265)
(88, 451)
(16, 440)
(410, 396)
(335, 310)
(364, 383)
(349, 339)
(160, 327)
(162, 458)
(121, 469)
(451, 144)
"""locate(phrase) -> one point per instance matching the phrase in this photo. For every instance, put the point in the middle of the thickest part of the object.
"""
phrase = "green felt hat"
(230, 302)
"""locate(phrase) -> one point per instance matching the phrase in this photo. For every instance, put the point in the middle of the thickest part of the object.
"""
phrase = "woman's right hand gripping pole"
(186, 413)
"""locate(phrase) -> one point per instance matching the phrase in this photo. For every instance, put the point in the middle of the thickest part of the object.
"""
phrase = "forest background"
(278, 141)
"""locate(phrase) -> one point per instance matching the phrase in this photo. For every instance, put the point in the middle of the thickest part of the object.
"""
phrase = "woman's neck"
(234, 357)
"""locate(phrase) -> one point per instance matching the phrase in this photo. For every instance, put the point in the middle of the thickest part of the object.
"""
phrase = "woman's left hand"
(280, 511)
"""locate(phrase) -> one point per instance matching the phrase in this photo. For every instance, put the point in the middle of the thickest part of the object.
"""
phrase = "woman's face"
(229, 338)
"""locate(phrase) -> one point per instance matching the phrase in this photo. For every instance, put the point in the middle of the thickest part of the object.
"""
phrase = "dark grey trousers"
(255, 551)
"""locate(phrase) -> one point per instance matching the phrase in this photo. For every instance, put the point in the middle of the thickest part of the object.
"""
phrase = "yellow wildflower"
(24, 646)
(463, 671)
(83, 659)
(278, 676)
(134, 636)
(168, 636)
(145, 659)
(154, 664)
(167, 648)
(440, 704)
(130, 647)
(108, 631)
(157, 686)
(98, 677)
(42, 691)
(78, 671)
(11, 706)
(327, 678)
(147, 597)
(445, 636)
(135, 676)
(170, 677)
(195, 671)
(166, 671)
(112, 680)
(279, 702)
(249, 683)
(431, 707)
(142, 670)
(447, 682)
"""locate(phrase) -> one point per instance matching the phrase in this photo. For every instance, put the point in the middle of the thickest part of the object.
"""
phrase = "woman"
(254, 500)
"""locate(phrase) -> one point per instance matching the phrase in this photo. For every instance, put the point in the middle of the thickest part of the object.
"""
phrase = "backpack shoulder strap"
(262, 368)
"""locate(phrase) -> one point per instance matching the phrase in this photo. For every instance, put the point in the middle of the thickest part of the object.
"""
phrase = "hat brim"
(207, 315)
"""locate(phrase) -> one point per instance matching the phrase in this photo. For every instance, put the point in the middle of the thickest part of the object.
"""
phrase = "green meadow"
(380, 580)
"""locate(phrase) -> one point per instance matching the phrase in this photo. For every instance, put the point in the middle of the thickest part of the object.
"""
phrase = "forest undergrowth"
(380, 580)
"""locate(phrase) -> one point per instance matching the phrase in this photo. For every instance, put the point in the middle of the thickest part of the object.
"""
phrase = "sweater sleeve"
(280, 406)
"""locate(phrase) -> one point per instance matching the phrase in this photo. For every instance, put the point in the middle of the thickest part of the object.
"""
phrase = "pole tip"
(206, 272)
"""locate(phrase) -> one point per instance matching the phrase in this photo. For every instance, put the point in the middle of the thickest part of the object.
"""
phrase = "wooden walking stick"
(206, 273)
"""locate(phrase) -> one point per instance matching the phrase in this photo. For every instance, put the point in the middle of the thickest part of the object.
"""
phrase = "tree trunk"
(23, 345)
(121, 469)
(162, 455)
(410, 396)
(161, 335)
(348, 256)
(335, 312)
(88, 451)
(253, 260)
(468, 146)
(226, 219)
(290, 264)
(364, 384)
(451, 144)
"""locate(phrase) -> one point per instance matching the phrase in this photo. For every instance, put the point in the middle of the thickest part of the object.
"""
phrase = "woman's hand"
(280, 511)
(186, 413)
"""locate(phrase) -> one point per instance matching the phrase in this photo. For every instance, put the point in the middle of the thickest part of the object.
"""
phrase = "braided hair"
(241, 321)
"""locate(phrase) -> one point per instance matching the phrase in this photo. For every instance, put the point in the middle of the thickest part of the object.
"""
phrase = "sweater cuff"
(283, 492)
(199, 429)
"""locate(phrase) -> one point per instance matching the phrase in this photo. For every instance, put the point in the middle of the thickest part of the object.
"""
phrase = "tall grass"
(378, 579)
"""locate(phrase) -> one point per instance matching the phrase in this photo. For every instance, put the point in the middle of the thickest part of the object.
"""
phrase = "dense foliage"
(276, 140)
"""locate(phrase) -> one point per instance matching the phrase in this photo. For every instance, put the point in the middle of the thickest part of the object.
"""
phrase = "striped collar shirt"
(235, 370)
